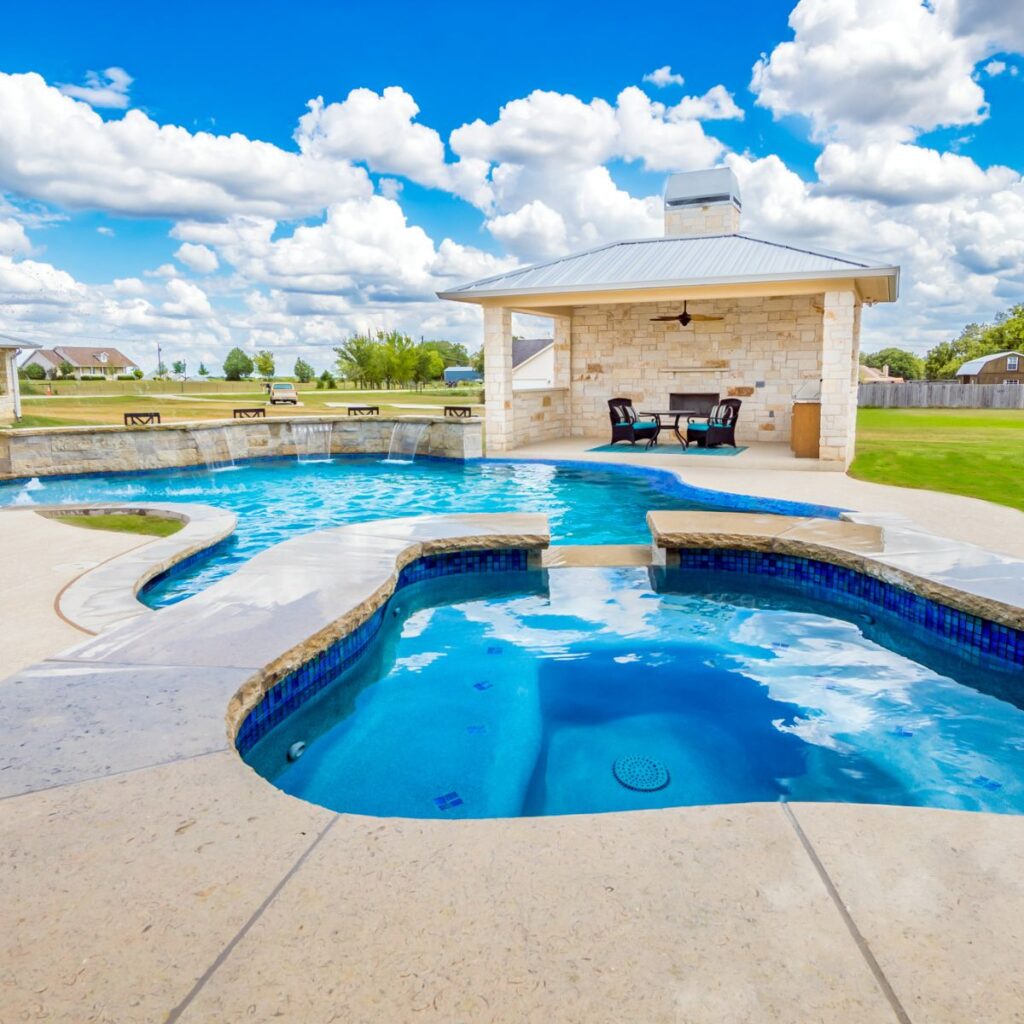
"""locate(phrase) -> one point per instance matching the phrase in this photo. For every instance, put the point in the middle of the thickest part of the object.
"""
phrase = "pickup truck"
(283, 394)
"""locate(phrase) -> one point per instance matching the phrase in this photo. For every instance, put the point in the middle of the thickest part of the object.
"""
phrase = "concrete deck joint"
(844, 912)
(177, 1011)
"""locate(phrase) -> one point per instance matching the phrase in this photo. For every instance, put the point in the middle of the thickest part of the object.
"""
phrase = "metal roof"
(7, 341)
(976, 365)
(674, 261)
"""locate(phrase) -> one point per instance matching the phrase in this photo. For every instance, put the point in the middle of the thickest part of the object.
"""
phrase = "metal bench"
(141, 419)
(364, 410)
(255, 413)
(460, 412)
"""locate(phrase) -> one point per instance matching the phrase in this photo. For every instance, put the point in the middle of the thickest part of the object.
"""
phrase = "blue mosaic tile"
(495, 650)
(482, 685)
(476, 730)
(291, 692)
(448, 801)
(974, 637)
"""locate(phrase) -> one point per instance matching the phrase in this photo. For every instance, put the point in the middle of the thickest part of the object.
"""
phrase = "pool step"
(565, 555)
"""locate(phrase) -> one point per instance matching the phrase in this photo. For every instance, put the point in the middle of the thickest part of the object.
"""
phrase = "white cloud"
(164, 270)
(199, 258)
(12, 237)
(59, 150)
(859, 68)
(994, 68)
(895, 173)
(381, 130)
(717, 104)
(129, 286)
(663, 76)
(104, 230)
(187, 299)
(102, 88)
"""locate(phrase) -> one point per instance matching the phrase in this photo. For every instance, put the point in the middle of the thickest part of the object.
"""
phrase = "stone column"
(499, 416)
(840, 339)
(563, 354)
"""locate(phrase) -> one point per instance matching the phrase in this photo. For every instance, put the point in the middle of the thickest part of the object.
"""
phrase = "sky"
(282, 176)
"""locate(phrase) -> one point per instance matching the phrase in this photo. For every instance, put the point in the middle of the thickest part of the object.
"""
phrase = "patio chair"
(627, 426)
(718, 428)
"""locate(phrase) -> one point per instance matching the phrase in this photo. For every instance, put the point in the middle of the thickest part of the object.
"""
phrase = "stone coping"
(108, 594)
(885, 547)
(178, 682)
(116, 428)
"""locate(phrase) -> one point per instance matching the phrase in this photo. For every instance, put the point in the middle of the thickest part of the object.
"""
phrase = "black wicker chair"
(626, 426)
(718, 428)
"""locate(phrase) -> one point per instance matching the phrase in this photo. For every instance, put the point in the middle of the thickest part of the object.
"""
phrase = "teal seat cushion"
(697, 426)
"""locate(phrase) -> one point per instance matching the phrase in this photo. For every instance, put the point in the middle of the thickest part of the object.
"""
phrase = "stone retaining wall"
(58, 450)
(541, 415)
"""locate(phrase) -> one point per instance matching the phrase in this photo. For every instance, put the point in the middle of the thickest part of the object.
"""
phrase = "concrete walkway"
(39, 558)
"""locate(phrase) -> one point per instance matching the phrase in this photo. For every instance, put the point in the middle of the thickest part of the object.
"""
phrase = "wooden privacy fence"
(940, 394)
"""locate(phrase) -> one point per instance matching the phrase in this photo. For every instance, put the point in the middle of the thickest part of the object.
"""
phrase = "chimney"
(702, 203)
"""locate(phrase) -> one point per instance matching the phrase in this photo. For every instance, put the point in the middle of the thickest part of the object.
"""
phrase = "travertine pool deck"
(149, 875)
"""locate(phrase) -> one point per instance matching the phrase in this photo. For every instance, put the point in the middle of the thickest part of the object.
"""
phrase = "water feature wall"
(48, 451)
(312, 441)
(405, 441)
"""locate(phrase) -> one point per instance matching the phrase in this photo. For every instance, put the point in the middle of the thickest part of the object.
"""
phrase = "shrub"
(34, 372)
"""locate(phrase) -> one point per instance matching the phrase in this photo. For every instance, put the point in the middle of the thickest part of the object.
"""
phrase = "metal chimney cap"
(702, 188)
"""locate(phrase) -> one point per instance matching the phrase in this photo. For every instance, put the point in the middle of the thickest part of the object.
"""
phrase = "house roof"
(8, 341)
(78, 356)
(676, 261)
(527, 348)
(969, 369)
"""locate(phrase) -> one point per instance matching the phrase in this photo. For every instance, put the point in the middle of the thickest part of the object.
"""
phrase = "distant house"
(462, 375)
(869, 375)
(84, 362)
(533, 363)
(998, 368)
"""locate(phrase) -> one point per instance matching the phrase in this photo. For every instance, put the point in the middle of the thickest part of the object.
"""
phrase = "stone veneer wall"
(617, 350)
(713, 219)
(7, 369)
(541, 415)
(50, 451)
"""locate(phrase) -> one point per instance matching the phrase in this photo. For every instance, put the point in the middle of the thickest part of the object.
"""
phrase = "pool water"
(480, 699)
(276, 499)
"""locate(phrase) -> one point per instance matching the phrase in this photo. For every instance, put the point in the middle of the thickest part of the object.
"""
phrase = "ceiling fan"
(686, 318)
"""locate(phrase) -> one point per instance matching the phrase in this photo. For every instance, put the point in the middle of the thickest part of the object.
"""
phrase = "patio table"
(677, 415)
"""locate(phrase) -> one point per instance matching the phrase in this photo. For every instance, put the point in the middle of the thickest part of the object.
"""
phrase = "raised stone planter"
(58, 450)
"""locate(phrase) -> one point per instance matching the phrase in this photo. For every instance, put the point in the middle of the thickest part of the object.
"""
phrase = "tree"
(900, 362)
(178, 367)
(304, 373)
(265, 364)
(453, 353)
(203, 371)
(478, 361)
(429, 365)
(400, 358)
(65, 369)
(359, 360)
(237, 365)
(326, 381)
(34, 372)
(161, 370)
(137, 373)
(1005, 334)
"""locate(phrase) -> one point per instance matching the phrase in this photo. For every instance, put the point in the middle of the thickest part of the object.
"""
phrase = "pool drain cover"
(643, 774)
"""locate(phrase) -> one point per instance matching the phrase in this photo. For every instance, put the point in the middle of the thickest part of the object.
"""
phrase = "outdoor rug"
(667, 449)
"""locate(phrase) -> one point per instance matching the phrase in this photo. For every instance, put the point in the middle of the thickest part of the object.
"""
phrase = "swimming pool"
(275, 499)
(622, 689)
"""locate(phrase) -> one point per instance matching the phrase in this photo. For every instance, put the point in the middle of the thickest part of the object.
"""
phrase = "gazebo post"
(499, 417)
(840, 340)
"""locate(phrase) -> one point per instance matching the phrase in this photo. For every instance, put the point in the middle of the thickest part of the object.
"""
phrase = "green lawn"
(976, 452)
(132, 522)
